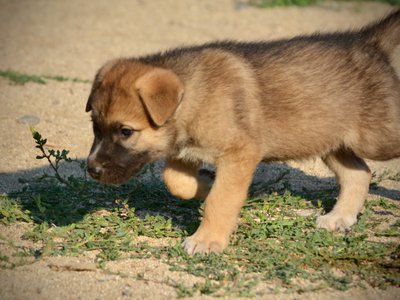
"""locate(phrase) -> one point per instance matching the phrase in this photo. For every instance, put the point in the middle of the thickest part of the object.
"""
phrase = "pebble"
(29, 120)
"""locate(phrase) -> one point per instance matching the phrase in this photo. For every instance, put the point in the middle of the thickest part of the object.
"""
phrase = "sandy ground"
(74, 38)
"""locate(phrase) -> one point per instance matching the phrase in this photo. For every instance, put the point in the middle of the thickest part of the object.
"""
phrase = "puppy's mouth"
(116, 174)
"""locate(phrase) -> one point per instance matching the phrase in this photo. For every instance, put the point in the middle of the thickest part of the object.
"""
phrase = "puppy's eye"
(126, 132)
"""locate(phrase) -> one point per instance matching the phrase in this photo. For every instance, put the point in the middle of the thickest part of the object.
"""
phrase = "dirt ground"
(73, 39)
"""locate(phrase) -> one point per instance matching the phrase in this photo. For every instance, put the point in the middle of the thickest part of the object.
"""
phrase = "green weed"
(19, 78)
(11, 211)
(385, 175)
(22, 78)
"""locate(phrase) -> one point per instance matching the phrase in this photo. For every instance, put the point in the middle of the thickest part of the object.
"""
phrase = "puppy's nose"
(95, 171)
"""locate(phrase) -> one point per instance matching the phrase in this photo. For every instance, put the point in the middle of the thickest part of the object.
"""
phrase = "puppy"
(234, 105)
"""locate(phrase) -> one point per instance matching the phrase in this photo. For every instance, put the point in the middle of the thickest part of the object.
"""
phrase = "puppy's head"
(131, 105)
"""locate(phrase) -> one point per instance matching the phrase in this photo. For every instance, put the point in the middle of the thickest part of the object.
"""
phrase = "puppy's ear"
(161, 91)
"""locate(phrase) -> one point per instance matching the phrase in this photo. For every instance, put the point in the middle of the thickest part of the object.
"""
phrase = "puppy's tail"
(385, 33)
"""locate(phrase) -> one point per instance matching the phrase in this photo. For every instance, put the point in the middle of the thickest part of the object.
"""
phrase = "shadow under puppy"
(236, 104)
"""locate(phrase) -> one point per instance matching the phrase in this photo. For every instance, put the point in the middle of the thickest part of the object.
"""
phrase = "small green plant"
(54, 157)
(11, 211)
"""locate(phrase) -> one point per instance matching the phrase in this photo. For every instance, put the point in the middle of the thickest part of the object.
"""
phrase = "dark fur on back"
(384, 34)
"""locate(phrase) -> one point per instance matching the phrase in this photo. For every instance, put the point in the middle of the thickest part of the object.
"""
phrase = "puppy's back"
(317, 92)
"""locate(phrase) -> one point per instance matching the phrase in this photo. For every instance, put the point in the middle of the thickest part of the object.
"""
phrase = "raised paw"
(194, 244)
(334, 221)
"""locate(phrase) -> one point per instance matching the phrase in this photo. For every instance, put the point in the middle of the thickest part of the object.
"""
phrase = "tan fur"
(183, 180)
(236, 104)
(354, 177)
(161, 91)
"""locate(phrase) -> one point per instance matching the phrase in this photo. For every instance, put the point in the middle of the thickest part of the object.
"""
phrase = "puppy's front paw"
(334, 221)
(195, 244)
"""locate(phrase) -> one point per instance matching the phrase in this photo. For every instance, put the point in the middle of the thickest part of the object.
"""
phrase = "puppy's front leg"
(222, 206)
(183, 181)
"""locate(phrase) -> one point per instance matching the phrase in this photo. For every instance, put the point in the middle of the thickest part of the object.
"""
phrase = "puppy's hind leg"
(183, 181)
(353, 176)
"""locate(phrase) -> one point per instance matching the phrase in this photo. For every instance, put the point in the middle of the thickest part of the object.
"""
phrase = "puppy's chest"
(192, 152)
(195, 154)
(190, 146)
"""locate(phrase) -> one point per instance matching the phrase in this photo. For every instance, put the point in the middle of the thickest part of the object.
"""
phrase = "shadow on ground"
(59, 204)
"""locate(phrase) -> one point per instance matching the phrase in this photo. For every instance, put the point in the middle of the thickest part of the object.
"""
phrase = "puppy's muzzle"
(95, 171)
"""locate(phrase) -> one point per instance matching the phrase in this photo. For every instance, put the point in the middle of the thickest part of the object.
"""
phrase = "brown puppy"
(236, 104)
